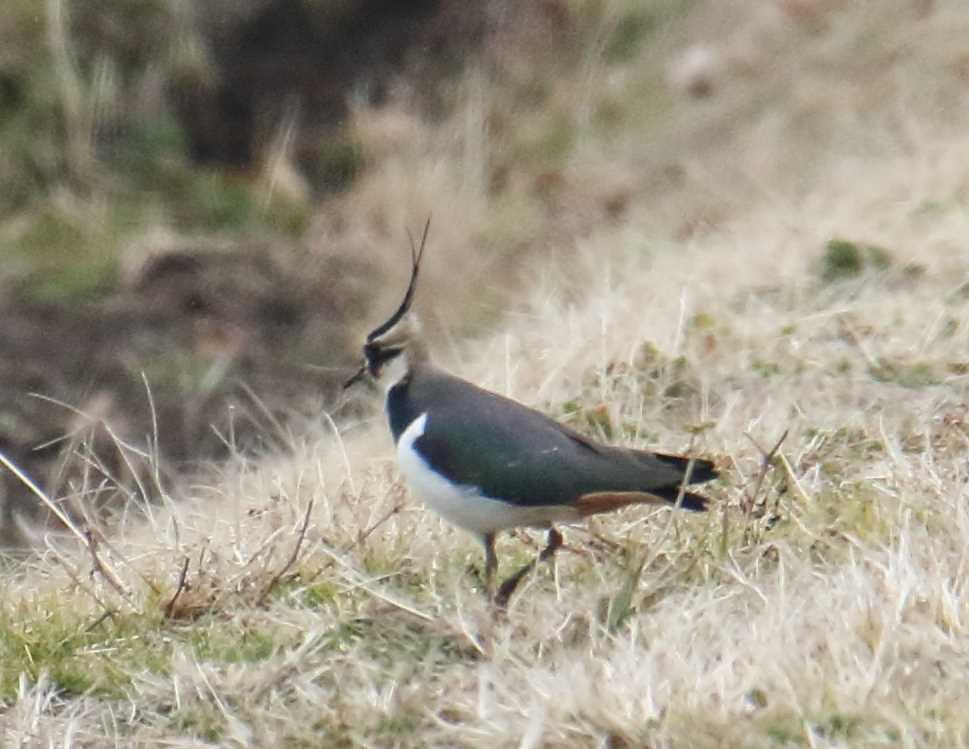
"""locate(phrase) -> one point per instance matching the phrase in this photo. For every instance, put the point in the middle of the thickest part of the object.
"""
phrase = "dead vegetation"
(304, 600)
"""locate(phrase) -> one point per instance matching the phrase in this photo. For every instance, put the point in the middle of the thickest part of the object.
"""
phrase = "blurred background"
(205, 205)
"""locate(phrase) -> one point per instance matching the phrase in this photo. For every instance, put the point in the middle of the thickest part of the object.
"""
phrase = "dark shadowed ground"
(201, 207)
(207, 345)
(204, 350)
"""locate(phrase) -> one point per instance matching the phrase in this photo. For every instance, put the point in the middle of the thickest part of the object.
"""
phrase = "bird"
(487, 463)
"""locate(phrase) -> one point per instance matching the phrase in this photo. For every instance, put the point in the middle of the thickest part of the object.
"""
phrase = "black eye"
(378, 355)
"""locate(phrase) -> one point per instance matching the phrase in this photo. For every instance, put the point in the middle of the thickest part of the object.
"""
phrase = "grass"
(93, 160)
(822, 603)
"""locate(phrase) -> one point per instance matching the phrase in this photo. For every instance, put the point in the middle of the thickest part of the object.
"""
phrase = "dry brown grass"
(823, 606)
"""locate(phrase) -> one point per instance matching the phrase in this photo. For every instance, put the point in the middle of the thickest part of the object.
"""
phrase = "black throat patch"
(400, 409)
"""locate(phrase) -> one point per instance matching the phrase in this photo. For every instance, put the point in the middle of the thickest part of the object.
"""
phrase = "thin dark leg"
(508, 587)
(553, 544)
(491, 563)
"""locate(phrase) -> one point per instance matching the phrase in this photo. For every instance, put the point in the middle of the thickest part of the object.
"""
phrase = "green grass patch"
(398, 641)
(320, 594)
(202, 721)
(844, 259)
(910, 374)
(77, 652)
(82, 653)
(69, 249)
(840, 449)
(219, 641)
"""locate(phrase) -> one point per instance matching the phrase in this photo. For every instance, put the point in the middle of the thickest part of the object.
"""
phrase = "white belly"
(465, 506)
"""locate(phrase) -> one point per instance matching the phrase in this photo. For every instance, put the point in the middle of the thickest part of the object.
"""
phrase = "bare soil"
(205, 349)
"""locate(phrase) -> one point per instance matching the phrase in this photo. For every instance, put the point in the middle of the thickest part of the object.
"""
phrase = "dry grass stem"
(758, 221)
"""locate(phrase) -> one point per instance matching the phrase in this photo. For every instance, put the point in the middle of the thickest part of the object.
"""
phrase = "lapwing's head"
(392, 347)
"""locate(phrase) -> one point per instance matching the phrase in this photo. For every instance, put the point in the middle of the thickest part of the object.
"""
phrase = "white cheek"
(392, 372)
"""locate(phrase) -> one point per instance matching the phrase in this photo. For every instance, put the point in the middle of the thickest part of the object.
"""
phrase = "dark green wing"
(511, 452)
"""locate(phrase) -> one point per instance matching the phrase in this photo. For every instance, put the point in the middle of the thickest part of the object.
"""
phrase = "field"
(754, 251)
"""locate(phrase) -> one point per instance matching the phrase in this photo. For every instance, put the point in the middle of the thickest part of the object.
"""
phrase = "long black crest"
(416, 253)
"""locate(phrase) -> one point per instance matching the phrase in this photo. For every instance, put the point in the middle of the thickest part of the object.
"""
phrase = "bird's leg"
(491, 564)
(508, 587)
(553, 544)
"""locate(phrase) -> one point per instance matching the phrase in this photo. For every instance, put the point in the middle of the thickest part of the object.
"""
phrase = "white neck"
(393, 371)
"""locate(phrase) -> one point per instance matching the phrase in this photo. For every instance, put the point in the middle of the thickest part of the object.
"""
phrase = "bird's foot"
(509, 586)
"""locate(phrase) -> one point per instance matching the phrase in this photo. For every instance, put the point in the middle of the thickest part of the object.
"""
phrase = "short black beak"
(357, 377)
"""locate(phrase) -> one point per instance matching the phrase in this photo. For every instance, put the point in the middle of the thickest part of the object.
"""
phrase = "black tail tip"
(703, 470)
(694, 502)
(700, 469)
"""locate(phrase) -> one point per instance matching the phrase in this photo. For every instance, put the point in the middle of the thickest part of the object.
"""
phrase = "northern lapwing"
(487, 463)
